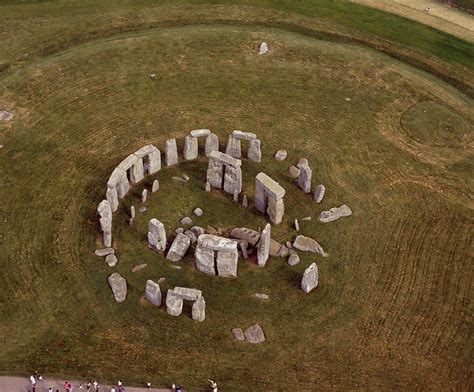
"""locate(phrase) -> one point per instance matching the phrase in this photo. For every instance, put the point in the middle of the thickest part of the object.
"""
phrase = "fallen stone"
(293, 259)
(180, 179)
(185, 177)
(275, 247)
(179, 230)
(306, 218)
(111, 260)
(153, 293)
(175, 266)
(307, 244)
(263, 48)
(199, 309)
(254, 334)
(319, 193)
(243, 247)
(139, 267)
(142, 209)
(191, 236)
(161, 280)
(119, 286)
(283, 252)
(261, 296)
(155, 186)
(152, 76)
(186, 221)
(289, 244)
(238, 334)
(334, 214)
(310, 278)
(198, 212)
(104, 252)
(178, 248)
(281, 155)
(294, 171)
(5, 115)
(249, 235)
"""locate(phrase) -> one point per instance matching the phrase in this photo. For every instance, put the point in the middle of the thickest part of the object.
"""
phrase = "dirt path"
(22, 384)
(440, 16)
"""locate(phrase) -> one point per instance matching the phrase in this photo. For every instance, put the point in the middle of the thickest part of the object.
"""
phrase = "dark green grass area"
(392, 311)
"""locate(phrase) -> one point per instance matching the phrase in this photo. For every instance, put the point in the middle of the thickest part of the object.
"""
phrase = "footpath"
(22, 384)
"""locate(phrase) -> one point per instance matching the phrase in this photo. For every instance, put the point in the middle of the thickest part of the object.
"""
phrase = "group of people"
(94, 387)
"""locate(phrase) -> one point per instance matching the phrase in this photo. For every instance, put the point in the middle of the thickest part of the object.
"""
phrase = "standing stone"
(293, 259)
(243, 248)
(233, 147)
(226, 263)
(105, 220)
(174, 303)
(294, 171)
(263, 48)
(171, 152)
(198, 211)
(132, 212)
(156, 235)
(118, 284)
(310, 278)
(263, 249)
(144, 195)
(236, 196)
(199, 309)
(178, 248)
(297, 225)
(245, 201)
(214, 173)
(191, 236)
(212, 144)
(233, 179)
(254, 334)
(281, 155)
(275, 210)
(302, 162)
(208, 186)
(205, 260)
(186, 221)
(155, 186)
(190, 148)
(254, 152)
(153, 293)
(112, 198)
(304, 179)
(137, 171)
(319, 193)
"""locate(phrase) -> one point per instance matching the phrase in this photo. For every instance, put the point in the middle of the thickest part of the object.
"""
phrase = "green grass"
(392, 310)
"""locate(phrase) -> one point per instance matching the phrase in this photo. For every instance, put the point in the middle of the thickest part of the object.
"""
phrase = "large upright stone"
(144, 196)
(263, 249)
(199, 309)
(215, 173)
(334, 214)
(118, 284)
(171, 152)
(212, 144)
(132, 212)
(254, 152)
(216, 255)
(174, 303)
(227, 263)
(156, 235)
(233, 180)
(179, 247)
(119, 180)
(153, 293)
(310, 278)
(205, 260)
(155, 186)
(112, 198)
(233, 147)
(275, 210)
(137, 171)
(105, 213)
(151, 158)
(304, 179)
(190, 151)
(307, 244)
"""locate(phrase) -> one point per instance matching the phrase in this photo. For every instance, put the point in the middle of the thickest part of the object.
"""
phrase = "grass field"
(393, 310)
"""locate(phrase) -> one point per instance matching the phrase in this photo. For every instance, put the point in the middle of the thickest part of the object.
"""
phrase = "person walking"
(120, 386)
(213, 385)
(148, 384)
(88, 386)
(112, 389)
(96, 386)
